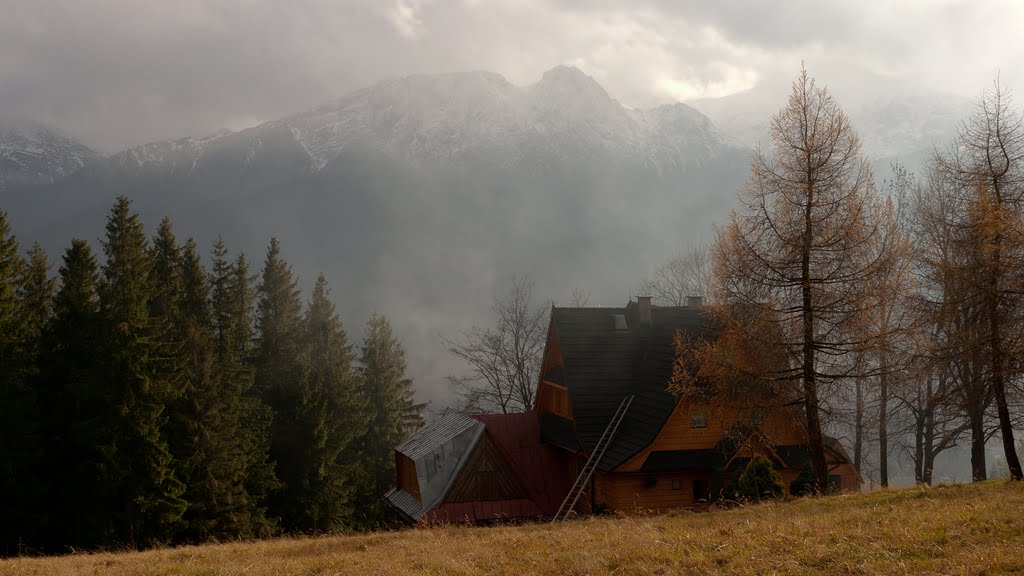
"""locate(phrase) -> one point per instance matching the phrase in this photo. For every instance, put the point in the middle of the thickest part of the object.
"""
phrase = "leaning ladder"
(595, 458)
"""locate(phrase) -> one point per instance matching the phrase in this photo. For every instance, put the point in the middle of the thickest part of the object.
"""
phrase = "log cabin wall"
(642, 493)
(554, 399)
(407, 479)
(552, 394)
(683, 430)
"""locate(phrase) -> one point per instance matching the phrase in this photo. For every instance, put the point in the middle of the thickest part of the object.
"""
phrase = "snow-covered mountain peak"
(460, 117)
(33, 153)
(181, 152)
(569, 82)
(452, 116)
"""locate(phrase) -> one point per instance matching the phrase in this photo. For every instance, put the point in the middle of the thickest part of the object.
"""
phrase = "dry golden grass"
(963, 529)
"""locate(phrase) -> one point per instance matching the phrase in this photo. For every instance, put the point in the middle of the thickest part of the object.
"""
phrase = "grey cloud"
(120, 72)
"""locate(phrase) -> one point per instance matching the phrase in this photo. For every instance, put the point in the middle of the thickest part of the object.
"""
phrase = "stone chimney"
(645, 310)
(695, 302)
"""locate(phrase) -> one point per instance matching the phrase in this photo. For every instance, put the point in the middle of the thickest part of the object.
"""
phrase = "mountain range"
(31, 153)
(418, 197)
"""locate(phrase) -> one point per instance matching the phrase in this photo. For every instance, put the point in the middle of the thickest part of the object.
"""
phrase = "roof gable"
(603, 364)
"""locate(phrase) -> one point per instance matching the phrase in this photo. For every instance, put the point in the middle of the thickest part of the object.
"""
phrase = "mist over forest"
(326, 215)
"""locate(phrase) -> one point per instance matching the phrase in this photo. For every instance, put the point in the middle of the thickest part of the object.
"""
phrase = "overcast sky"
(117, 73)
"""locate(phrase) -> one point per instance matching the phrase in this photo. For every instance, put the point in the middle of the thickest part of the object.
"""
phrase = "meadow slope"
(961, 529)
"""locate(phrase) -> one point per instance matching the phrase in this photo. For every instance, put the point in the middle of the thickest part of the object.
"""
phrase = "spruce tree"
(36, 296)
(389, 396)
(332, 419)
(74, 412)
(208, 418)
(35, 303)
(145, 495)
(17, 404)
(282, 367)
(234, 293)
(244, 418)
(165, 277)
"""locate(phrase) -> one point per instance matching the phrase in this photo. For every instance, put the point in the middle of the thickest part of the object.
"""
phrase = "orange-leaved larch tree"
(793, 265)
(985, 167)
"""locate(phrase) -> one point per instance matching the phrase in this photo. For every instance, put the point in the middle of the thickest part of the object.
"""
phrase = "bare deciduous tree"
(686, 274)
(579, 298)
(953, 369)
(887, 325)
(503, 360)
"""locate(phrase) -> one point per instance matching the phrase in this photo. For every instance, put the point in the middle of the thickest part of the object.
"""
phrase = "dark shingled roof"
(603, 365)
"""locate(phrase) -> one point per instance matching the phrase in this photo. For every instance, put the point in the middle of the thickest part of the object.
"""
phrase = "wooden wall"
(779, 426)
(554, 399)
(641, 493)
(407, 475)
(486, 476)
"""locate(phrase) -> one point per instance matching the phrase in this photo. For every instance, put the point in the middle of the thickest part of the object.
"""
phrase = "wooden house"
(604, 373)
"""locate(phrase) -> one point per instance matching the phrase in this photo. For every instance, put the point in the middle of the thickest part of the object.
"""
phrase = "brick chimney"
(645, 310)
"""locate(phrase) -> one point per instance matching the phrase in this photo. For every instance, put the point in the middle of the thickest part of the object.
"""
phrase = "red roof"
(542, 469)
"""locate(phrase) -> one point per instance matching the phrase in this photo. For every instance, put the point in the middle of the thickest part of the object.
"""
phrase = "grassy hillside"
(964, 529)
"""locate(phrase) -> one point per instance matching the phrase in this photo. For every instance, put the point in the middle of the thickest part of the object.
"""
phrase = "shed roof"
(604, 364)
(429, 437)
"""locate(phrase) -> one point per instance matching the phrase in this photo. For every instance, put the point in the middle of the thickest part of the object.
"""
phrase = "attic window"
(698, 419)
(619, 321)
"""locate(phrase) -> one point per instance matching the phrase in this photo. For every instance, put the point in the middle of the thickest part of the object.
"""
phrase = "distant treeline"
(149, 399)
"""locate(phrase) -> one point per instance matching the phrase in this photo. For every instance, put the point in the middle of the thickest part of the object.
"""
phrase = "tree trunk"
(919, 450)
(919, 440)
(883, 418)
(814, 435)
(929, 435)
(858, 431)
(997, 358)
(978, 469)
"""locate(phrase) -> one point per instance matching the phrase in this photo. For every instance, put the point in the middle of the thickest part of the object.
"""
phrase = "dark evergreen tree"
(282, 369)
(144, 493)
(17, 404)
(75, 417)
(332, 419)
(36, 296)
(210, 419)
(392, 411)
(35, 304)
(165, 278)
(262, 482)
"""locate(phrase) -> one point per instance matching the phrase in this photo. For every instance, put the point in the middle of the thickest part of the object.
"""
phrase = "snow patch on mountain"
(467, 117)
(454, 116)
(33, 153)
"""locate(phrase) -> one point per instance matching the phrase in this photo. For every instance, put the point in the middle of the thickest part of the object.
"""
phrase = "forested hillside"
(151, 399)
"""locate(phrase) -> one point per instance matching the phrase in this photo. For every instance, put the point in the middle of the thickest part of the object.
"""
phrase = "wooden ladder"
(595, 458)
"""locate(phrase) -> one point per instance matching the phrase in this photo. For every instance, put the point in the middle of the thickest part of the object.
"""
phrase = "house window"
(700, 490)
(676, 484)
(835, 484)
(698, 419)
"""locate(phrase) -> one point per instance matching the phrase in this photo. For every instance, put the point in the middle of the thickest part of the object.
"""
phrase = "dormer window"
(619, 321)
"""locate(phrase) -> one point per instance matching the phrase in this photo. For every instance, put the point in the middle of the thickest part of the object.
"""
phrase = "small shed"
(428, 463)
